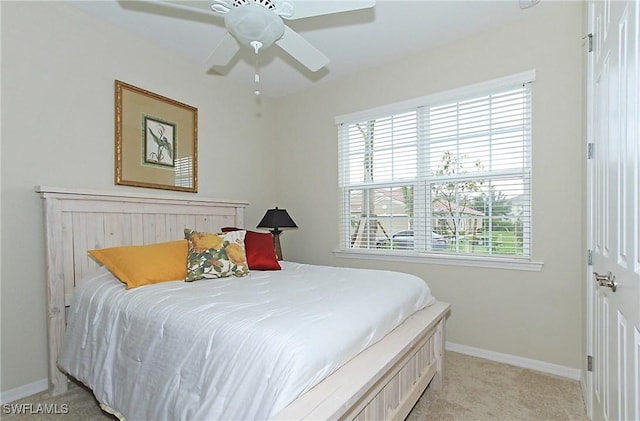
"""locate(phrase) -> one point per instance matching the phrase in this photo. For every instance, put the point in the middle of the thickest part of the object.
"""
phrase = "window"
(447, 174)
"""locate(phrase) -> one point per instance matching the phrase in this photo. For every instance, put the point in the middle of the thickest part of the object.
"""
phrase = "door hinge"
(590, 150)
(589, 38)
(590, 257)
(589, 363)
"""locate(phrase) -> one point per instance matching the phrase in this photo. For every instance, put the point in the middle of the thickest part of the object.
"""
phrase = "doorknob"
(607, 280)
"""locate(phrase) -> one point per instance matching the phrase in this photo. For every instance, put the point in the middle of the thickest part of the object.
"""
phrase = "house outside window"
(446, 174)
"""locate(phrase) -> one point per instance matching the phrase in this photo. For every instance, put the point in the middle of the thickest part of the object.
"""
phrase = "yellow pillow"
(143, 265)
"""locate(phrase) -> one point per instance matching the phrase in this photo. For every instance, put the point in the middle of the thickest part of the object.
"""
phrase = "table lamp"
(275, 219)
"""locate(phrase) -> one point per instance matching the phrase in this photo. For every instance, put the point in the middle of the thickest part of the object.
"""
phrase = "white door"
(613, 211)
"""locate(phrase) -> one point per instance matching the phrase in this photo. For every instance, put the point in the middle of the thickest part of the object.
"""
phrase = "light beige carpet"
(474, 389)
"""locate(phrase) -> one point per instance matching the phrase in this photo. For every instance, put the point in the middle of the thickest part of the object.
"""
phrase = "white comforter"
(233, 348)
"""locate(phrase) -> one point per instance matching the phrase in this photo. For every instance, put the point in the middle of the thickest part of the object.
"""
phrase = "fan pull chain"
(256, 46)
(257, 78)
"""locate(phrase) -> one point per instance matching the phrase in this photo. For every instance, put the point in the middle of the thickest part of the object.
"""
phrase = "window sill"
(443, 259)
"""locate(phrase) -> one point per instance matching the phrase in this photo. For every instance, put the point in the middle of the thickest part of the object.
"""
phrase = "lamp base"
(276, 243)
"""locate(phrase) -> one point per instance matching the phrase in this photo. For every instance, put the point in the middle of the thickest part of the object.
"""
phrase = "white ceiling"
(353, 41)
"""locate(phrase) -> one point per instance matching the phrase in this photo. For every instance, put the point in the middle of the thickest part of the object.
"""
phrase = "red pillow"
(261, 255)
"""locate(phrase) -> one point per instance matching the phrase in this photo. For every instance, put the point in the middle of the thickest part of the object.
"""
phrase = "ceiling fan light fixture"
(253, 22)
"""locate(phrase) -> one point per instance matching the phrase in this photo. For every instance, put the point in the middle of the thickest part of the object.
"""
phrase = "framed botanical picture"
(156, 140)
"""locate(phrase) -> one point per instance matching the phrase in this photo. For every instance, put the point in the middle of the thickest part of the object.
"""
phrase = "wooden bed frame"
(383, 382)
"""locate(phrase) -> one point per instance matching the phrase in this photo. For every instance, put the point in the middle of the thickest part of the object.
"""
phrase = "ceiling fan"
(259, 24)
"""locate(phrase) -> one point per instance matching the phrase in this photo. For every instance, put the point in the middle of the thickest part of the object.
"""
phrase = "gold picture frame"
(156, 141)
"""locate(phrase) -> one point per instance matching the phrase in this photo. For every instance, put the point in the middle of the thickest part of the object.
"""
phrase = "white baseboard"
(549, 368)
(24, 391)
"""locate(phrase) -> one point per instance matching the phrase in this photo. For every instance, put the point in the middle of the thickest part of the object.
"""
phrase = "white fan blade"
(191, 5)
(300, 49)
(224, 52)
(305, 9)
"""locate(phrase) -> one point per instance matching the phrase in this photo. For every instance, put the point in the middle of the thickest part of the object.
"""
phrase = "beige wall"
(58, 70)
(529, 314)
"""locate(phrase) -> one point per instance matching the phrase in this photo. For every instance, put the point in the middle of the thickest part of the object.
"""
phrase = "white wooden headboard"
(80, 220)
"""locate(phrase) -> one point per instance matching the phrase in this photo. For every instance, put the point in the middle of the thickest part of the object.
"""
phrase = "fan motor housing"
(268, 4)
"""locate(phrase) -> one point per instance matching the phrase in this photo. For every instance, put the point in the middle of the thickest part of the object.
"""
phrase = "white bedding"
(232, 348)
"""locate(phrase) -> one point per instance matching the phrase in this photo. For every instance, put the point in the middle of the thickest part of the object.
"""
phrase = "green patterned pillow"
(215, 255)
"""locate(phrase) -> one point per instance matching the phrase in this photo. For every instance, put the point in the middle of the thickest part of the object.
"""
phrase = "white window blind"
(183, 172)
(449, 173)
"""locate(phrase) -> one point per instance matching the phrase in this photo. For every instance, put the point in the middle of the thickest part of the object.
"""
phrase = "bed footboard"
(386, 380)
